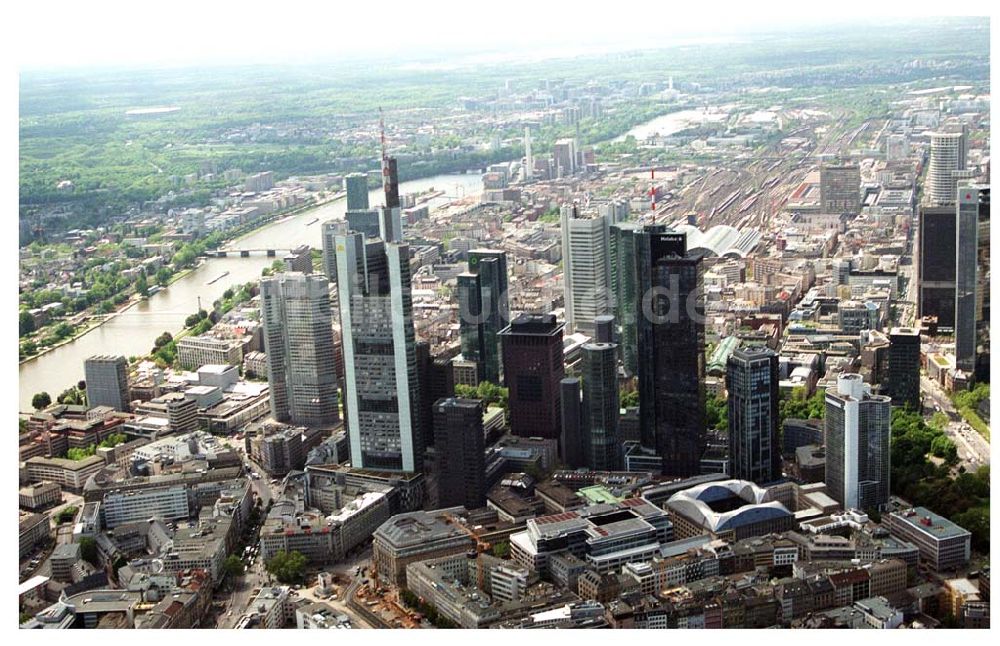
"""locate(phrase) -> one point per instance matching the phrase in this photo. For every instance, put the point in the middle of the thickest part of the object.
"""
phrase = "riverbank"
(130, 303)
(279, 216)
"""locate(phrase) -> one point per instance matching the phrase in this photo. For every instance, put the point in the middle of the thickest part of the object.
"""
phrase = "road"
(973, 449)
(64, 534)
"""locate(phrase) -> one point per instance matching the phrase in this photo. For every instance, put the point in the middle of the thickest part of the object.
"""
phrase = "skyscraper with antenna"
(391, 223)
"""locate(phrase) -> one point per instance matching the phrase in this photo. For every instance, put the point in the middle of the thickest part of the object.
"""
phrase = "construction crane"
(481, 545)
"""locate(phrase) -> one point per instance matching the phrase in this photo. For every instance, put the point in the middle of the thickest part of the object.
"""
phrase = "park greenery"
(798, 405)
(717, 413)
(287, 567)
(960, 496)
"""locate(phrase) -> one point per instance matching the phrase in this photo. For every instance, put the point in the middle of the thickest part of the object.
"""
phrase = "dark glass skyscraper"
(570, 447)
(356, 185)
(602, 444)
(936, 268)
(483, 310)
(752, 382)
(671, 343)
(460, 448)
(623, 287)
(533, 367)
(902, 383)
(973, 221)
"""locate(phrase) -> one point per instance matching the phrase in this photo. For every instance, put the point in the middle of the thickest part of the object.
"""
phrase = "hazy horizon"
(430, 36)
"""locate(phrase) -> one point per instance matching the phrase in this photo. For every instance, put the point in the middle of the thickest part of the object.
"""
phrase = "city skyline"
(660, 336)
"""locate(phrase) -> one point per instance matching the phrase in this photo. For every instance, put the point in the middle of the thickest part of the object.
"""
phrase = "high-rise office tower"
(331, 228)
(107, 381)
(671, 343)
(564, 157)
(381, 392)
(971, 268)
(356, 185)
(602, 443)
(752, 382)
(586, 269)
(604, 329)
(948, 150)
(936, 265)
(840, 188)
(367, 222)
(483, 310)
(623, 287)
(532, 347)
(298, 340)
(903, 379)
(570, 447)
(460, 447)
(857, 444)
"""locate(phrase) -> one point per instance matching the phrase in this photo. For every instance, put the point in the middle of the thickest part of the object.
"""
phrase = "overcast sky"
(56, 34)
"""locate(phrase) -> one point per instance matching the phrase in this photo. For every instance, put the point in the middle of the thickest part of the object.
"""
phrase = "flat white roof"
(32, 583)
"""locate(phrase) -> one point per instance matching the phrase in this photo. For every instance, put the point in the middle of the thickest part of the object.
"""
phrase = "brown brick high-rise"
(533, 367)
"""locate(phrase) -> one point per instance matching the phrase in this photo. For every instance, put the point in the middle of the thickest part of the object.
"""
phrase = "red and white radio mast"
(652, 190)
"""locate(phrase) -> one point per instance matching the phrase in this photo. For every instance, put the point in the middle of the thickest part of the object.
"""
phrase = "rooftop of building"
(424, 528)
(927, 522)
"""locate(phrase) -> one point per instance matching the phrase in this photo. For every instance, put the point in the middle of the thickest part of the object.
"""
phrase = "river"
(133, 331)
(674, 122)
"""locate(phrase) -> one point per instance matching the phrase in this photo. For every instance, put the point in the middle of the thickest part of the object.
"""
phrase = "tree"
(67, 515)
(162, 340)
(88, 550)
(41, 400)
(80, 454)
(232, 566)
(163, 276)
(943, 447)
(70, 396)
(717, 413)
(26, 323)
(142, 285)
(287, 567)
(629, 398)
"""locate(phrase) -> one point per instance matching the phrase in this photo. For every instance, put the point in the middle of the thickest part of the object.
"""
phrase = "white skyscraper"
(947, 161)
(586, 269)
(857, 444)
(380, 361)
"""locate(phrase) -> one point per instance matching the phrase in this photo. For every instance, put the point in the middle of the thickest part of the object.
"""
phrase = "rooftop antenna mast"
(652, 191)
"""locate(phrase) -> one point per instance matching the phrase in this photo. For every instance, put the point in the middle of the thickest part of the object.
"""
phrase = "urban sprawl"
(747, 388)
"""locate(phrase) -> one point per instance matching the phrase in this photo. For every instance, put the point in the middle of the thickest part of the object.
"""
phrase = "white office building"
(586, 269)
